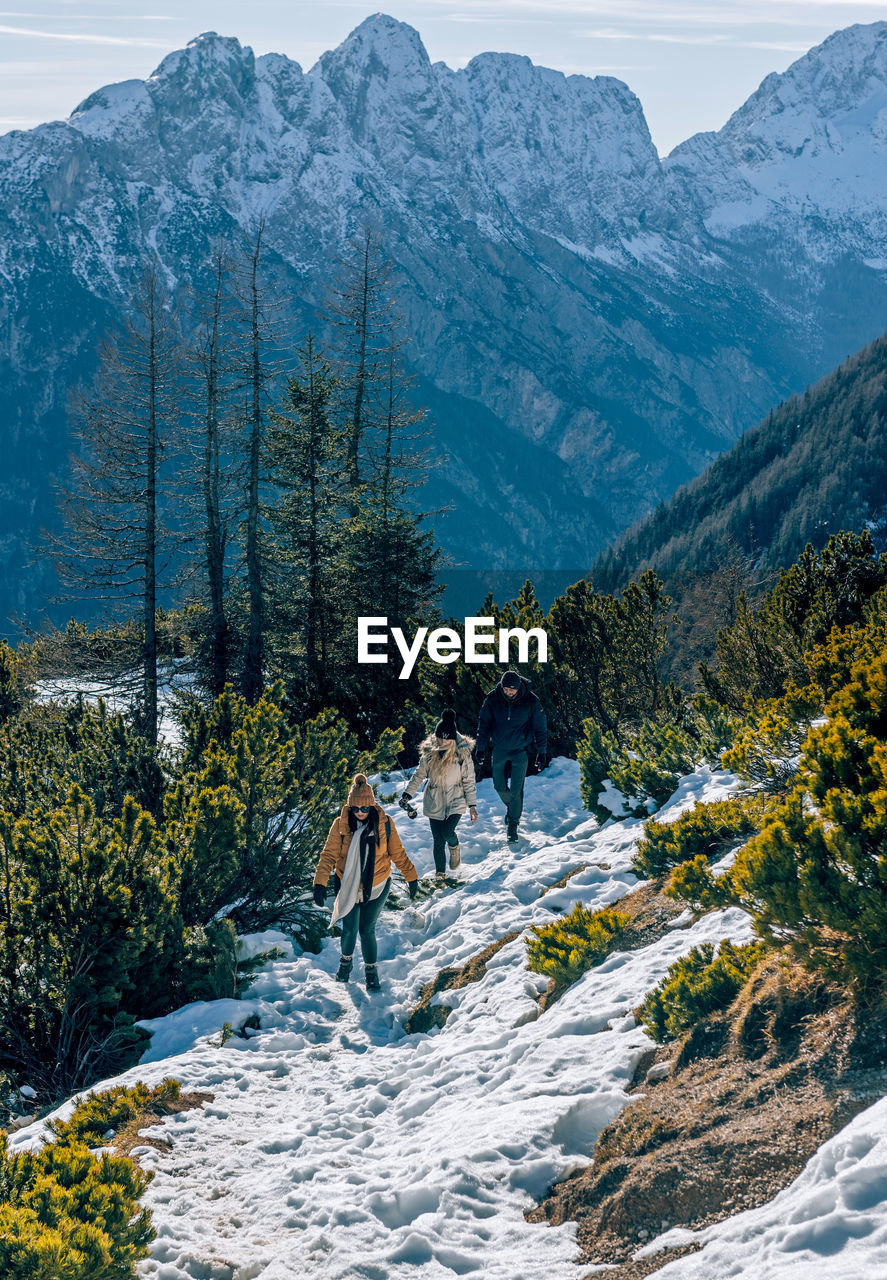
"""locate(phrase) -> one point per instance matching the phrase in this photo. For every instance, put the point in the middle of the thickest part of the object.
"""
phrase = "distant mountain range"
(591, 325)
(815, 465)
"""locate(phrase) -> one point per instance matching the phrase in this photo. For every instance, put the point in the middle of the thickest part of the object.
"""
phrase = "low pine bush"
(705, 829)
(815, 876)
(566, 948)
(767, 747)
(66, 1214)
(95, 1114)
(695, 883)
(652, 767)
(697, 986)
(646, 771)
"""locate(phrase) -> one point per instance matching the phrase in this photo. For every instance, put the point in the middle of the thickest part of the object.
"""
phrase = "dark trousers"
(362, 919)
(443, 832)
(510, 792)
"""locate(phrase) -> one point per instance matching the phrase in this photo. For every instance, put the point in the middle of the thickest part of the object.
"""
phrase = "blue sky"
(691, 64)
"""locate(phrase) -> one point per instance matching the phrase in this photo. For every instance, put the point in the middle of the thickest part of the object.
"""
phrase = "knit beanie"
(511, 680)
(361, 793)
(446, 726)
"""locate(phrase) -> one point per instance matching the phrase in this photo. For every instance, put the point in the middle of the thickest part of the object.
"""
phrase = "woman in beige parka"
(446, 768)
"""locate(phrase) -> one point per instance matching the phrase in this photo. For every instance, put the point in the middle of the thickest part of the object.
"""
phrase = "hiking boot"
(512, 830)
(440, 880)
(372, 977)
(455, 856)
(344, 972)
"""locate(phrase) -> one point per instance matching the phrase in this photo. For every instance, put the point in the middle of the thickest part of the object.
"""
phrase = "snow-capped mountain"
(590, 325)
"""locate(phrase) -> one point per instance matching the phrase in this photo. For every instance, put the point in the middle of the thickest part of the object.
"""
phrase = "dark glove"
(413, 886)
(404, 803)
(319, 895)
(540, 763)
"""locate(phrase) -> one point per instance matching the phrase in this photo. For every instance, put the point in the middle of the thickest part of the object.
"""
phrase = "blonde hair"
(442, 753)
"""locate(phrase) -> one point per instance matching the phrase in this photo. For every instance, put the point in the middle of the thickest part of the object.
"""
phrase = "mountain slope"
(576, 307)
(816, 464)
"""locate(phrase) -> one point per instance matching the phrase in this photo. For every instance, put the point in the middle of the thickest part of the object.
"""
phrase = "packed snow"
(336, 1145)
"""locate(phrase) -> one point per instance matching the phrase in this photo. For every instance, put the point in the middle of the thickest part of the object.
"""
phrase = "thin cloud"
(772, 12)
(90, 17)
(82, 38)
(709, 39)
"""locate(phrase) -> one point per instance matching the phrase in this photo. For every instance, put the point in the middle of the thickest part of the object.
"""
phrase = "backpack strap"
(387, 828)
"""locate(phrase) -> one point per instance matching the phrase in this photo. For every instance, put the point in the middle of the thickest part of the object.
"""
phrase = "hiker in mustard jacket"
(361, 845)
(446, 767)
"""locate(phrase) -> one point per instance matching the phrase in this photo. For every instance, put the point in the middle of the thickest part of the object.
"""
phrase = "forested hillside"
(816, 464)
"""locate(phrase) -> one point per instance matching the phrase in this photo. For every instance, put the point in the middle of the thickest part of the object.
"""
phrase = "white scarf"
(351, 878)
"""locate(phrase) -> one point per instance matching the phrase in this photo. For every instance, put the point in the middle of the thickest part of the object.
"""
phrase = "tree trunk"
(150, 592)
(254, 656)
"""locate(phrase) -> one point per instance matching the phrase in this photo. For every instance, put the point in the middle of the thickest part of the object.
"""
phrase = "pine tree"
(212, 360)
(258, 373)
(311, 584)
(817, 873)
(391, 558)
(607, 653)
(115, 543)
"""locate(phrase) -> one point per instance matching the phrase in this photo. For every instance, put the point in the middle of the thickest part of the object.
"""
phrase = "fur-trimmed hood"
(464, 745)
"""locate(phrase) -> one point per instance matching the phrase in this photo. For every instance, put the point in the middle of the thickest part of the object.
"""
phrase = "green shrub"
(693, 882)
(566, 948)
(52, 747)
(697, 986)
(816, 876)
(764, 651)
(645, 771)
(10, 683)
(87, 910)
(652, 768)
(767, 747)
(67, 1215)
(595, 751)
(705, 829)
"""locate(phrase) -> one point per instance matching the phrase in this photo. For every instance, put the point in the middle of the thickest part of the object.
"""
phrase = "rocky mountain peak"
(210, 66)
(843, 74)
(380, 47)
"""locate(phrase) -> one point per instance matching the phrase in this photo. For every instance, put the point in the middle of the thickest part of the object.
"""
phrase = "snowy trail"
(339, 1146)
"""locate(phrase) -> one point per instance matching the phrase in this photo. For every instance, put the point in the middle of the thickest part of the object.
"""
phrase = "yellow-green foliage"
(816, 875)
(697, 986)
(67, 1215)
(564, 949)
(693, 882)
(95, 1114)
(766, 750)
(706, 829)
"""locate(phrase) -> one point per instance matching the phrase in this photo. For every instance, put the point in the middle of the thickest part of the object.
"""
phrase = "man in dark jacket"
(513, 724)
